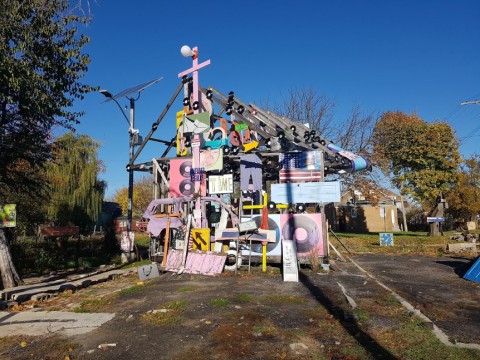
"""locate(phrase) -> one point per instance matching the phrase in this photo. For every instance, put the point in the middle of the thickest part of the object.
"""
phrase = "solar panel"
(134, 89)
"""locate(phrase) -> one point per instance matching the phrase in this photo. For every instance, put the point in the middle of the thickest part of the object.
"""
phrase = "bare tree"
(309, 107)
(352, 134)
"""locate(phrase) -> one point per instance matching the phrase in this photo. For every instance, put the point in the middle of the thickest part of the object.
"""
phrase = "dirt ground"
(259, 316)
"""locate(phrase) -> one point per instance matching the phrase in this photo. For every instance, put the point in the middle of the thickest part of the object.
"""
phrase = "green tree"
(41, 64)
(142, 196)
(420, 158)
(464, 198)
(76, 191)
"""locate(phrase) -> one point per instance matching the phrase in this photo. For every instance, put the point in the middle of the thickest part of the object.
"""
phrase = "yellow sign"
(8, 215)
(180, 151)
(201, 239)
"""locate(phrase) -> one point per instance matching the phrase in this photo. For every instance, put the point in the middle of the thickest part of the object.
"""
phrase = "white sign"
(220, 184)
(127, 241)
(290, 262)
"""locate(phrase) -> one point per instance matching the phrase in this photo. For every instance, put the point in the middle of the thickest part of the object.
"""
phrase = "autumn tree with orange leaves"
(420, 158)
(464, 198)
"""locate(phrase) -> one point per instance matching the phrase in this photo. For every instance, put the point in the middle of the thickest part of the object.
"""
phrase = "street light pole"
(133, 135)
(131, 123)
(130, 171)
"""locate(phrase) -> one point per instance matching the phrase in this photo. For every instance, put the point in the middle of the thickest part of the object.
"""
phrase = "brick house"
(354, 213)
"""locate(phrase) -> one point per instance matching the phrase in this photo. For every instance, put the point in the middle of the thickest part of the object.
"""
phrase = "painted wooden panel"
(307, 192)
(473, 274)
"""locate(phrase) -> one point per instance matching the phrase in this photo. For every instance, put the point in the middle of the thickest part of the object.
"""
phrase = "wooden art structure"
(234, 159)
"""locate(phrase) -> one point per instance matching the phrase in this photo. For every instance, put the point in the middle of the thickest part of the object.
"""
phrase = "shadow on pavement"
(351, 326)
(460, 267)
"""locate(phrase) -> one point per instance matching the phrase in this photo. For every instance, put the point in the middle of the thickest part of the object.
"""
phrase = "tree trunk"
(10, 277)
(434, 229)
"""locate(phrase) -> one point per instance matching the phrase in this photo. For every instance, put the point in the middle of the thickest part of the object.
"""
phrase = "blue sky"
(412, 56)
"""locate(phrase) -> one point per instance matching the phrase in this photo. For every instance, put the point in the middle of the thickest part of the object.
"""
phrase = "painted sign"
(210, 159)
(206, 263)
(200, 239)
(306, 192)
(240, 127)
(8, 215)
(473, 274)
(386, 239)
(197, 174)
(181, 150)
(435, 219)
(220, 184)
(181, 183)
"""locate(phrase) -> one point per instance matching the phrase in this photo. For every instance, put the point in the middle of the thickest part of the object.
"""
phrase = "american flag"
(299, 175)
(300, 166)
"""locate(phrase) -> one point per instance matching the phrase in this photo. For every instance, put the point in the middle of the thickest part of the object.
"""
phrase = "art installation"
(226, 147)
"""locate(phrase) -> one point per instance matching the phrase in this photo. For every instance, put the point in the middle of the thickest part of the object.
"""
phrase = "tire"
(272, 205)
(300, 208)
(233, 253)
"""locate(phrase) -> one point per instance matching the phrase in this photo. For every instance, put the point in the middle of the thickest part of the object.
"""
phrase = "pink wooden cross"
(196, 150)
(194, 69)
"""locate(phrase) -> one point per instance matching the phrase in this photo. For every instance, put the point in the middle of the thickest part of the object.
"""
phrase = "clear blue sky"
(412, 56)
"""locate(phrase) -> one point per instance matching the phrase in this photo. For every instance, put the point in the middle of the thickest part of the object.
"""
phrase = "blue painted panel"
(306, 192)
(386, 239)
(473, 274)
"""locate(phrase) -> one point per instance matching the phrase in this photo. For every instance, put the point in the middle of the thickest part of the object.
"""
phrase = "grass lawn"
(404, 243)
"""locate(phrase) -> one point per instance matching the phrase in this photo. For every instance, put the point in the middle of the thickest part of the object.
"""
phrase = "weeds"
(362, 315)
(185, 289)
(244, 298)
(282, 299)
(315, 261)
(178, 305)
(135, 289)
(219, 303)
(265, 330)
(169, 314)
(93, 305)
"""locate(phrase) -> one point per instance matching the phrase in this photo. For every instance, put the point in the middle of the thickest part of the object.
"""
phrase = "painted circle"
(300, 234)
(186, 187)
(307, 231)
(272, 225)
(185, 168)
